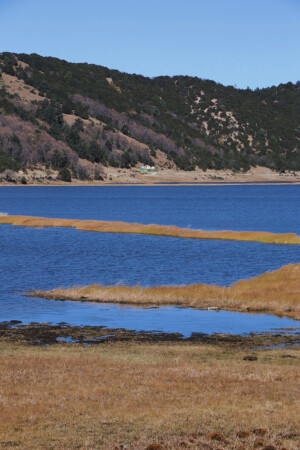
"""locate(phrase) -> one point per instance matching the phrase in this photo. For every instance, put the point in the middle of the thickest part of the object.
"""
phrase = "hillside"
(77, 119)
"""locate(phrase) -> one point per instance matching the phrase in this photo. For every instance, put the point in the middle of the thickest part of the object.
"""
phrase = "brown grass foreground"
(167, 396)
(275, 292)
(155, 230)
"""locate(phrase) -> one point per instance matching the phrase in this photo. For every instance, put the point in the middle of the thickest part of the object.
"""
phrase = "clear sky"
(253, 43)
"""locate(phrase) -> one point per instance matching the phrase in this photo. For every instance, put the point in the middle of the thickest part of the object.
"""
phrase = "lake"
(47, 258)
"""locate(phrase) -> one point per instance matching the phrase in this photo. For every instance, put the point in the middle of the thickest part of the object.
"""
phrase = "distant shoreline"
(162, 183)
(40, 176)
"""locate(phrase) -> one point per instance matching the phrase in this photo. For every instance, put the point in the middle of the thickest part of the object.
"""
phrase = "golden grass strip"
(275, 292)
(154, 230)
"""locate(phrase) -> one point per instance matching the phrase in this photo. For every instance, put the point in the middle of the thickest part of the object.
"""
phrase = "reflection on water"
(167, 319)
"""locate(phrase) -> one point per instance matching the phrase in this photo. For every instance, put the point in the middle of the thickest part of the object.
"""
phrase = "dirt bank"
(115, 176)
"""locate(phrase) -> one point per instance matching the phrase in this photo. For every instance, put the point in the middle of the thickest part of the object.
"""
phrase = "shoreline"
(161, 184)
(41, 334)
(40, 176)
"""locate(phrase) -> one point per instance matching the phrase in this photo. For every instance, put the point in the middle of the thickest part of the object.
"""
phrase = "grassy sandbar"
(153, 230)
(276, 292)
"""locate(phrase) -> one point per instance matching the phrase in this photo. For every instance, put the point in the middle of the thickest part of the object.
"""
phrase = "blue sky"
(236, 42)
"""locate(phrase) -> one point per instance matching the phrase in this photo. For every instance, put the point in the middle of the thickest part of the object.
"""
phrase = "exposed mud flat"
(63, 334)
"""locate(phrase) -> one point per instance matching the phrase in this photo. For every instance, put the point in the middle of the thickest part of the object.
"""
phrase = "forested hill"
(83, 116)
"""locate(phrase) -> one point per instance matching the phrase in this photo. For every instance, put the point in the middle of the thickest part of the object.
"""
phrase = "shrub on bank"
(65, 174)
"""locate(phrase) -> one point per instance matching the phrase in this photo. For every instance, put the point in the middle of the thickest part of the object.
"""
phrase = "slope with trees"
(84, 116)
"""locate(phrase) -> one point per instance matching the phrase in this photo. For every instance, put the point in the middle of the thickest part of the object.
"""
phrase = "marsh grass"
(71, 396)
(275, 292)
(153, 230)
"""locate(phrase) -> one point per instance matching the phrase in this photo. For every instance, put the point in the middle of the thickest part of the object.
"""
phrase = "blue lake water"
(47, 258)
(255, 208)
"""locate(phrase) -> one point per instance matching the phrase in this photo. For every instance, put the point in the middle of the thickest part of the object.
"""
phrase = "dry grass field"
(155, 230)
(275, 292)
(160, 396)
